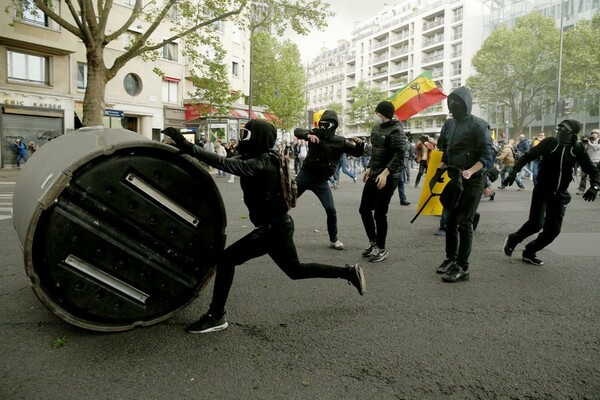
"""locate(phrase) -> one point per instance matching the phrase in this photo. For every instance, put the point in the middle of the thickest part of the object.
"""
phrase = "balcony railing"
(433, 58)
(433, 24)
(432, 41)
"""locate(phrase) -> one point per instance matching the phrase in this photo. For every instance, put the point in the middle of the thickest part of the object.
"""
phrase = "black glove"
(437, 177)
(180, 142)
(509, 180)
(590, 194)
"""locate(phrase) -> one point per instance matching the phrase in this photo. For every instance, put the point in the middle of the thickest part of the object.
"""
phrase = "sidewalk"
(9, 174)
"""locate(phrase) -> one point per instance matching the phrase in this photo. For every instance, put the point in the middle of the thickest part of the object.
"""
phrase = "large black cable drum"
(117, 230)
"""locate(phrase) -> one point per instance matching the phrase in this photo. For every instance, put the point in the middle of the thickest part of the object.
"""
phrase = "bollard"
(117, 231)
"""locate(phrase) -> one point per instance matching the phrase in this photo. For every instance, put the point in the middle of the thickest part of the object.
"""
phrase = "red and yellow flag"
(416, 96)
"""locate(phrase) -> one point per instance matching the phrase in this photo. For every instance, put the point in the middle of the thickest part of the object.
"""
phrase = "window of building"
(28, 68)
(169, 91)
(457, 32)
(30, 14)
(457, 50)
(455, 83)
(132, 84)
(173, 12)
(457, 14)
(129, 3)
(457, 68)
(219, 26)
(129, 38)
(170, 51)
(235, 68)
(81, 75)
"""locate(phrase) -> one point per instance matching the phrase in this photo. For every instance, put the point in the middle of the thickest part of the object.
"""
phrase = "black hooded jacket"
(323, 157)
(466, 140)
(387, 150)
(556, 164)
(258, 172)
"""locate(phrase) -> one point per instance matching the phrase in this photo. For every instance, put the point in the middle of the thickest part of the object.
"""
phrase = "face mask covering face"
(377, 119)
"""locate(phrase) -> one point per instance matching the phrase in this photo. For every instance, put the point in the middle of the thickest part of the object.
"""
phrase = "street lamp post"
(560, 51)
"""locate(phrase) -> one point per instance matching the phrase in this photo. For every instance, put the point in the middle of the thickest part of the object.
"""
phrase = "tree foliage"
(581, 57)
(278, 79)
(516, 66)
(366, 99)
(193, 20)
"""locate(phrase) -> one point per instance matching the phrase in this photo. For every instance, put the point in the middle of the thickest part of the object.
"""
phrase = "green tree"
(190, 19)
(278, 78)
(366, 99)
(515, 66)
(213, 94)
(581, 58)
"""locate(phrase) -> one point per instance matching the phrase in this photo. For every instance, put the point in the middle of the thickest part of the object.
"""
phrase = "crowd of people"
(470, 158)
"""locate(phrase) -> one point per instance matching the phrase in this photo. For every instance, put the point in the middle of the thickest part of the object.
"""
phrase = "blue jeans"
(320, 188)
(508, 170)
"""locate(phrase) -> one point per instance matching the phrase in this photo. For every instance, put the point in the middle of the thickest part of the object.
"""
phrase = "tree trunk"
(93, 102)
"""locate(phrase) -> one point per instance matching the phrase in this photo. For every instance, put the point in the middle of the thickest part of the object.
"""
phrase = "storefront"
(31, 121)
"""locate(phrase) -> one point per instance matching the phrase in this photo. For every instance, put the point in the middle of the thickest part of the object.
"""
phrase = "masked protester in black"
(381, 179)
(325, 149)
(260, 181)
(466, 144)
(550, 196)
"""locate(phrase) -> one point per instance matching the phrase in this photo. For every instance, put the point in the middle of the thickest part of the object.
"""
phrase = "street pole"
(251, 73)
(560, 51)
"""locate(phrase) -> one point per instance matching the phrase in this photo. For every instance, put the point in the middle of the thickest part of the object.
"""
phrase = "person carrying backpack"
(507, 158)
(260, 181)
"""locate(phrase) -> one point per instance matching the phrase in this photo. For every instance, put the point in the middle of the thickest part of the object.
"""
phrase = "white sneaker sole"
(213, 329)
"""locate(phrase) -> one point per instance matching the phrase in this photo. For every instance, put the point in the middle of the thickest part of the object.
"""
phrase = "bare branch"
(134, 15)
(59, 20)
(103, 13)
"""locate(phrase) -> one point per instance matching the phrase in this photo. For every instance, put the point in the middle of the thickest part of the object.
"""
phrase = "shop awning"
(199, 111)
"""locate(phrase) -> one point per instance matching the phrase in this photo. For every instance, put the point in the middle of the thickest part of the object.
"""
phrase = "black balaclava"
(262, 139)
(567, 136)
(460, 102)
(328, 131)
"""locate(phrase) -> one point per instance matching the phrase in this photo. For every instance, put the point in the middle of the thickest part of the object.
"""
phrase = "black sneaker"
(455, 273)
(509, 245)
(532, 259)
(405, 203)
(207, 323)
(443, 268)
(370, 251)
(357, 278)
(380, 256)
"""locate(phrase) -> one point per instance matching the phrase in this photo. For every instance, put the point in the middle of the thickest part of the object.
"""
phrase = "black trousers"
(546, 212)
(276, 240)
(373, 209)
(459, 225)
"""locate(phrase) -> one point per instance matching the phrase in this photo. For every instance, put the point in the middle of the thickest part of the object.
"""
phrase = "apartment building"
(43, 80)
(393, 47)
(390, 49)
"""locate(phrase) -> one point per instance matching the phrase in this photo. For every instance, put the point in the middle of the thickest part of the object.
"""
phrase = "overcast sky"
(340, 26)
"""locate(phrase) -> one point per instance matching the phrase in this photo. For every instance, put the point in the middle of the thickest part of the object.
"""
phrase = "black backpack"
(289, 187)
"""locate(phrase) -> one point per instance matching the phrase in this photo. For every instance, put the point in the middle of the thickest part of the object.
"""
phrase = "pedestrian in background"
(21, 151)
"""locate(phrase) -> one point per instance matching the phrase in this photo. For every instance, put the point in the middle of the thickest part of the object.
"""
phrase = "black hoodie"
(466, 140)
(322, 158)
(258, 172)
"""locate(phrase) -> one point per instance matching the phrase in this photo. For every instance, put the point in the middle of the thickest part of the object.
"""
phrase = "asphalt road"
(514, 331)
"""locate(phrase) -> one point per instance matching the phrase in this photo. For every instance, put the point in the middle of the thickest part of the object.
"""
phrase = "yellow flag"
(434, 207)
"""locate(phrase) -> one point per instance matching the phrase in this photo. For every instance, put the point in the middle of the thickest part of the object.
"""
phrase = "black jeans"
(321, 189)
(373, 209)
(459, 225)
(276, 240)
(422, 170)
(547, 211)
